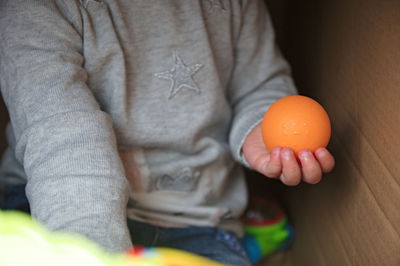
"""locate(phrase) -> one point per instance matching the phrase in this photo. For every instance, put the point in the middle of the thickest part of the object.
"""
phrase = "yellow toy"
(25, 242)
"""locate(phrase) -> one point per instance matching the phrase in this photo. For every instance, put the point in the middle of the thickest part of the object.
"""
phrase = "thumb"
(258, 157)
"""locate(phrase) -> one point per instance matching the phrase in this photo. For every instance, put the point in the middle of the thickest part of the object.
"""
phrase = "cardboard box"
(346, 55)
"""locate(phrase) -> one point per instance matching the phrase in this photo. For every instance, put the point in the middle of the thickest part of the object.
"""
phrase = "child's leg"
(210, 242)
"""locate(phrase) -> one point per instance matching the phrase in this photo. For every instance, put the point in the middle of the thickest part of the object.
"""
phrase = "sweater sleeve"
(76, 181)
(261, 75)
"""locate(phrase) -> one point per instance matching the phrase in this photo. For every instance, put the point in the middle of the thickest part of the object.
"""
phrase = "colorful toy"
(25, 242)
(298, 122)
(266, 229)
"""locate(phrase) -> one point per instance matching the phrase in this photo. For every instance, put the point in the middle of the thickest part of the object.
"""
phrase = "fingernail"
(287, 153)
(320, 152)
(305, 154)
(276, 151)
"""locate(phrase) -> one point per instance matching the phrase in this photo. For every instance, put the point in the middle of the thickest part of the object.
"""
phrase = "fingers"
(311, 169)
(273, 168)
(313, 165)
(325, 159)
(268, 164)
(282, 162)
(291, 173)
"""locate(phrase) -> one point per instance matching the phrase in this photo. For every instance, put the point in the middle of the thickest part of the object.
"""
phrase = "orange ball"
(297, 122)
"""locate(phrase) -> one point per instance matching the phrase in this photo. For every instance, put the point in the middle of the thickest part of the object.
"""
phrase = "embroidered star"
(214, 5)
(180, 76)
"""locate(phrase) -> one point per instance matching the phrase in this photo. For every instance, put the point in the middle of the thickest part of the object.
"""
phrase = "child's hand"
(282, 163)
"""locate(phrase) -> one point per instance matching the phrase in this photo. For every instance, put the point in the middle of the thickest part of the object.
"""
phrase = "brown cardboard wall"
(346, 54)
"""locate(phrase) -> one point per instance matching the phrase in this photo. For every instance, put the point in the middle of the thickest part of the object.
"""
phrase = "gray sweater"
(135, 108)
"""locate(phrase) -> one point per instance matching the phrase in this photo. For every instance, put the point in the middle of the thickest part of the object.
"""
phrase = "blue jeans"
(14, 198)
(209, 242)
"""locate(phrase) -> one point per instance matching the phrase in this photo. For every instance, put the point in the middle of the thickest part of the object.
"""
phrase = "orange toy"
(297, 122)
